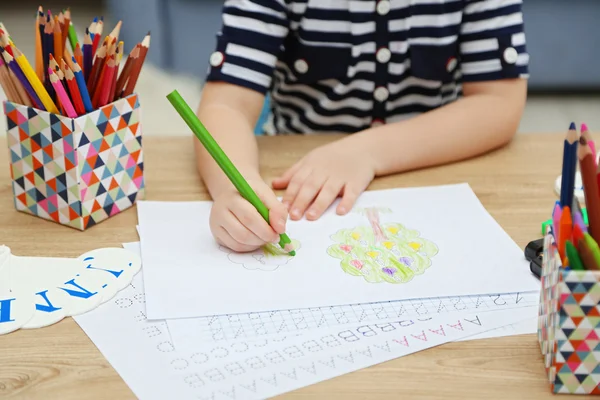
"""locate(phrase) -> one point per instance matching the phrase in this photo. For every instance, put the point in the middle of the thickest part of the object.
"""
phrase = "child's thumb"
(278, 213)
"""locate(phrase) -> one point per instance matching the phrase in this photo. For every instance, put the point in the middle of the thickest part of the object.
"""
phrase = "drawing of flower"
(267, 258)
(382, 252)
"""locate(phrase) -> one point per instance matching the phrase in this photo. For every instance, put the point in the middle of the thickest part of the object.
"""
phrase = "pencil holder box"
(76, 172)
(569, 324)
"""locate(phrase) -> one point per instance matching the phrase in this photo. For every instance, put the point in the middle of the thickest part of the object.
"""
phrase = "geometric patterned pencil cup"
(76, 171)
(569, 324)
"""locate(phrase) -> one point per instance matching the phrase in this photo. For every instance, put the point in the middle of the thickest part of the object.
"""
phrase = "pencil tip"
(584, 127)
(572, 127)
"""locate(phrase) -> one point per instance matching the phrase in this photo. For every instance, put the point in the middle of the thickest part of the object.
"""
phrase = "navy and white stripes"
(346, 65)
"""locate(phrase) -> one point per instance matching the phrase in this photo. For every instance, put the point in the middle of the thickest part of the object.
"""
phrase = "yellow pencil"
(35, 81)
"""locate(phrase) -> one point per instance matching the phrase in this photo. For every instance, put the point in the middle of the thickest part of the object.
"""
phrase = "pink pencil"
(586, 134)
(62, 95)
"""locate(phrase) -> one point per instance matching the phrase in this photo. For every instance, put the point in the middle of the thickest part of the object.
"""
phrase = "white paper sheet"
(445, 235)
(188, 332)
(259, 369)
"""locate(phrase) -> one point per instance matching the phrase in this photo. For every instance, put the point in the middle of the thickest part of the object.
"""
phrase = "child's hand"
(236, 224)
(314, 182)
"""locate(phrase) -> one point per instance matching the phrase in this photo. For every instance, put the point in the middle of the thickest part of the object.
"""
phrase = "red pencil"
(587, 166)
(107, 82)
(137, 67)
(74, 90)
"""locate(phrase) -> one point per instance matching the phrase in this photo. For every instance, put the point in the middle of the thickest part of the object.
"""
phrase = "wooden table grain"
(515, 184)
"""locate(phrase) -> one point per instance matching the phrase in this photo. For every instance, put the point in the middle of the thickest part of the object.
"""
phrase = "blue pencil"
(567, 184)
(85, 95)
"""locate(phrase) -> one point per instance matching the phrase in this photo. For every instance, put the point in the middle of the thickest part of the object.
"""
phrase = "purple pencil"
(88, 57)
(14, 67)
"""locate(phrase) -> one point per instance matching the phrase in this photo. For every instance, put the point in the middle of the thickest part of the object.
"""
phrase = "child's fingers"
(256, 230)
(326, 196)
(224, 238)
(349, 197)
(282, 182)
(309, 190)
(294, 186)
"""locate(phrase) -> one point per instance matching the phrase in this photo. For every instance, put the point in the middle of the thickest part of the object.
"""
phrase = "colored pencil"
(63, 30)
(88, 55)
(49, 49)
(7, 83)
(97, 67)
(131, 60)
(78, 54)
(39, 49)
(22, 96)
(118, 58)
(92, 28)
(114, 35)
(97, 38)
(577, 234)
(565, 230)
(74, 91)
(58, 51)
(72, 34)
(593, 246)
(556, 213)
(100, 85)
(573, 257)
(108, 82)
(85, 95)
(67, 56)
(35, 82)
(588, 136)
(61, 94)
(23, 82)
(567, 187)
(578, 221)
(67, 14)
(586, 256)
(587, 167)
(137, 67)
(224, 162)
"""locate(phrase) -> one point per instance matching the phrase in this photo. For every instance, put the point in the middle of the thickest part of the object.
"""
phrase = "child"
(418, 82)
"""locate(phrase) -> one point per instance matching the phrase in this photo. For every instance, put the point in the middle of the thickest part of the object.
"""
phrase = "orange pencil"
(66, 27)
(587, 167)
(58, 44)
(565, 231)
(7, 84)
(78, 54)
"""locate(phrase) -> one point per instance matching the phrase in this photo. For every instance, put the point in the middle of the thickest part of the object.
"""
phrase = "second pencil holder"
(76, 171)
(569, 324)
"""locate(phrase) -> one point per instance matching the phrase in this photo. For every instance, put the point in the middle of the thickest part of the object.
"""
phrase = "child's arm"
(229, 112)
(486, 118)
(241, 70)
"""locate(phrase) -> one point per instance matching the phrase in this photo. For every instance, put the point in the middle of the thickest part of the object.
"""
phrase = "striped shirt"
(347, 65)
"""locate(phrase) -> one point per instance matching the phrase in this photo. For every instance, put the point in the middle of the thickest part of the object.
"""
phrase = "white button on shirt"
(301, 66)
(383, 55)
(383, 7)
(511, 55)
(216, 58)
(381, 94)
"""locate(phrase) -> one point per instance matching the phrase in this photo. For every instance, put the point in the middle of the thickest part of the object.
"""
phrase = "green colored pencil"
(573, 256)
(593, 246)
(223, 161)
(73, 36)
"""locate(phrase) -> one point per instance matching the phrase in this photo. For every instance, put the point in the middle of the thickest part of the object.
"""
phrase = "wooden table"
(515, 184)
